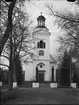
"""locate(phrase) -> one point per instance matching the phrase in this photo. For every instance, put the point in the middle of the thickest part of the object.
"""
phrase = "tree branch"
(4, 65)
(9, 26)
(5, 57)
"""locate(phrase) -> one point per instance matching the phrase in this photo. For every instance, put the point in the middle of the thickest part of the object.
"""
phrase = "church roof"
(52, 60)
(41, 27)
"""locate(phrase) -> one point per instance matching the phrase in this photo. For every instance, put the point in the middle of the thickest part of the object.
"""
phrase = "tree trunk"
(10, 77)
(14, 62)
(10, 80)
(5, 37)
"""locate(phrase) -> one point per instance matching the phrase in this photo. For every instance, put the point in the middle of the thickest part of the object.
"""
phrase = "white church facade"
(42, 67)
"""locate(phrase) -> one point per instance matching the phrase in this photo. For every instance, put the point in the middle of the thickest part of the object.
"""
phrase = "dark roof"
(41, 18)
(41, 27)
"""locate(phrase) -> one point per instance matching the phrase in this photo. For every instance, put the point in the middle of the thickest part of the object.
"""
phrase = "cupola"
(41, 21)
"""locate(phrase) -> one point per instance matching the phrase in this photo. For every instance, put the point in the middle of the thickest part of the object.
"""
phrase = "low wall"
(73, 85)
(53, 85)
(0, 83)
(14, 84)
(35, 85)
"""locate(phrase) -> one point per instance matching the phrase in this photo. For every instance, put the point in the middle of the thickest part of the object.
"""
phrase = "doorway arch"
(40, 74)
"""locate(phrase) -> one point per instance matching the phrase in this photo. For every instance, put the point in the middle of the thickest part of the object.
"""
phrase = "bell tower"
(39, 68)
(41, 35)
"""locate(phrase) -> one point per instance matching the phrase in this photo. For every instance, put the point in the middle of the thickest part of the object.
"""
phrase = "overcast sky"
(36, 7)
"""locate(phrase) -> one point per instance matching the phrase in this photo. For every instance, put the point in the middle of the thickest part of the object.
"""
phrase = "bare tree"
(19, 41)
(8, 30)
(69, 23)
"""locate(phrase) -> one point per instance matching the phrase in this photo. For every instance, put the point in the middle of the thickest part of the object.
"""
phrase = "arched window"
(41, 44)
(41, 66)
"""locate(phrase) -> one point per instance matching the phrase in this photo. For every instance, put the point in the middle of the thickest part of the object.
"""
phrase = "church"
(42, 67)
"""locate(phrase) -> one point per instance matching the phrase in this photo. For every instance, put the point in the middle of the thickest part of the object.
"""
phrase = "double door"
(41, 76)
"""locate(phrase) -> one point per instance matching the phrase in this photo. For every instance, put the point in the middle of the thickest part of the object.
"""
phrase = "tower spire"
(41, 13)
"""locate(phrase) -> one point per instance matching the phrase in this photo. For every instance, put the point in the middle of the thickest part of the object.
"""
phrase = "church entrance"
(41, 76)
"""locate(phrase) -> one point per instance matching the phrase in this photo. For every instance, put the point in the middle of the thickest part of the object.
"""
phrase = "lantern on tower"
(41, 21)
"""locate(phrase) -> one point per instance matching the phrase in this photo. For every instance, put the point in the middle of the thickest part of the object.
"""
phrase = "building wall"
(29, 71)
(46, 68)
(45, 37)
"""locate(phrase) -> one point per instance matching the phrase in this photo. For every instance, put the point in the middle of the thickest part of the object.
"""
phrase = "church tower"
(41, 63)
(41, 67)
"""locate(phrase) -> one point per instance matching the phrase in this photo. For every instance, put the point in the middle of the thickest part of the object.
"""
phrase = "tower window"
(41, 44)
(41, 52)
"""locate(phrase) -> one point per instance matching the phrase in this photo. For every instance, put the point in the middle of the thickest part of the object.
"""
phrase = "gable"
(52, 60)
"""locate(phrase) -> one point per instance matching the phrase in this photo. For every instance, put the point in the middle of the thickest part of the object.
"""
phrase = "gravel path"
(45, 96)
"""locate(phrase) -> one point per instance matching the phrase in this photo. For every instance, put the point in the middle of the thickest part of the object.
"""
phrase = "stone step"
(44, 85)
(26, 84)
(41, 85)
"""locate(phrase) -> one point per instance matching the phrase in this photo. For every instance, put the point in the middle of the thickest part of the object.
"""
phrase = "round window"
(41, 66)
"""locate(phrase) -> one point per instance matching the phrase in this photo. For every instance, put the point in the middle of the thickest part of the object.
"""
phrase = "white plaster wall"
(42, 35)
(45, 37)
(48, 71)
(29, 71)
(51, 69)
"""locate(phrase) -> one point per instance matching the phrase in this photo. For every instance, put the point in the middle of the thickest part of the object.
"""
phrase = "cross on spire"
(41, 13)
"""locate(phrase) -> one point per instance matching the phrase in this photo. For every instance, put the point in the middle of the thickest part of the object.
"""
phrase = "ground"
(45, 96)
